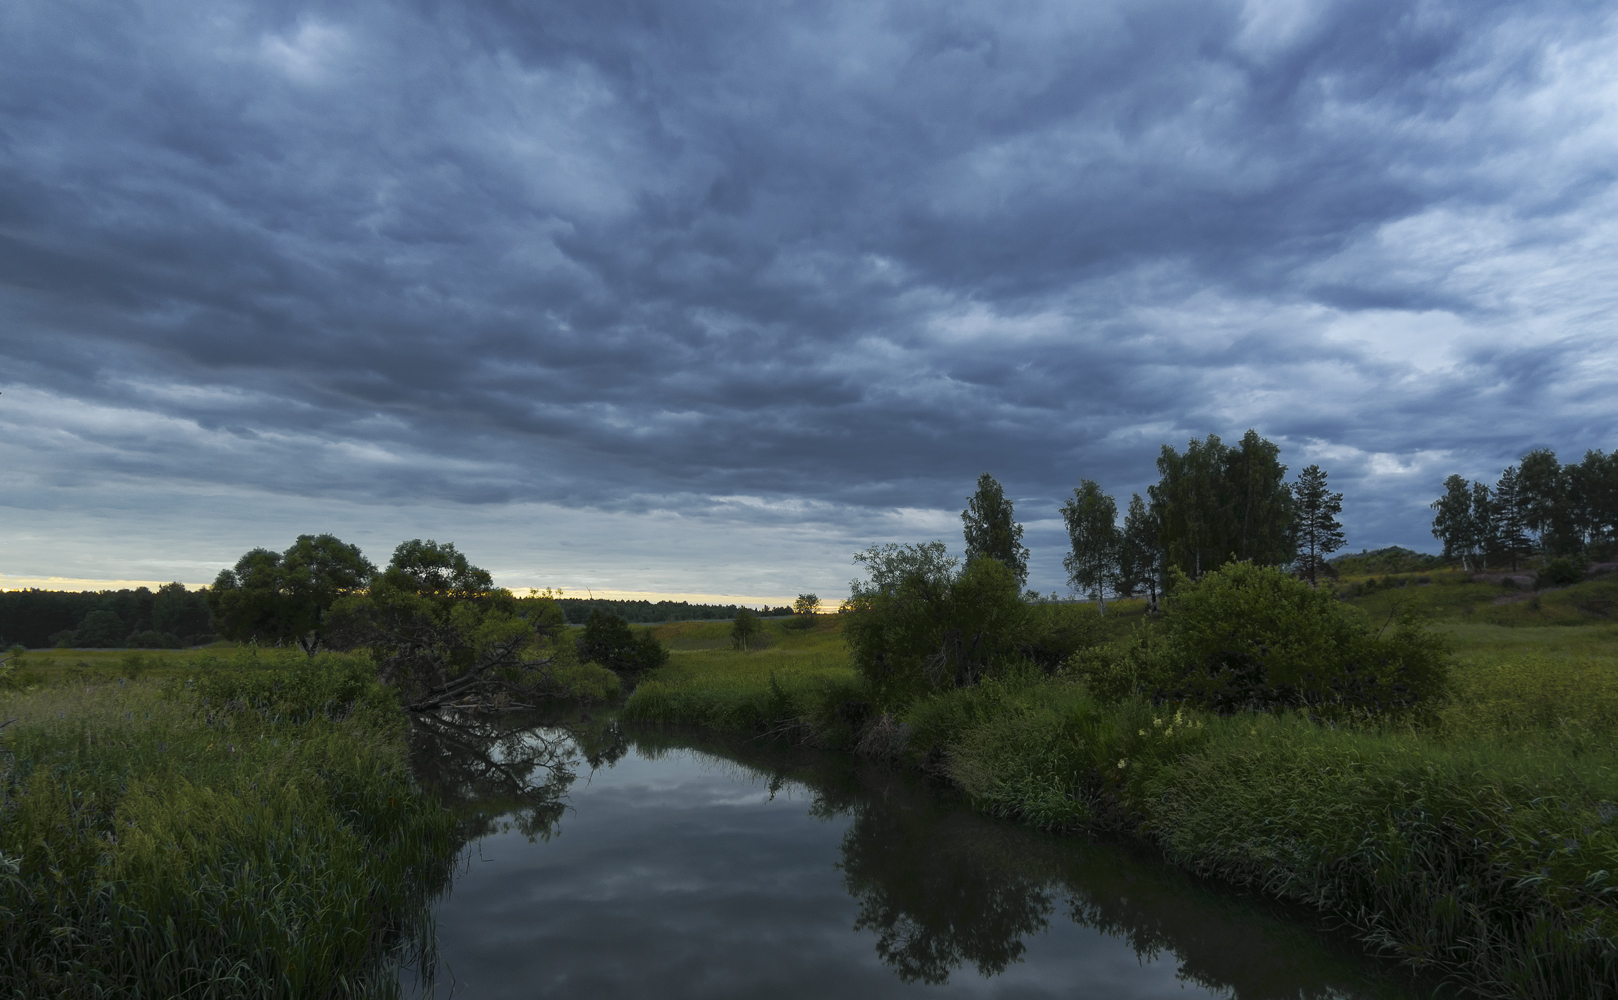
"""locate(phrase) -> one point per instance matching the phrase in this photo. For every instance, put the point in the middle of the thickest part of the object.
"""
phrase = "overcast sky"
(700, 298)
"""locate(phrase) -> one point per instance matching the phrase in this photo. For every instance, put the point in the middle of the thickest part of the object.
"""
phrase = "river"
(609, 862)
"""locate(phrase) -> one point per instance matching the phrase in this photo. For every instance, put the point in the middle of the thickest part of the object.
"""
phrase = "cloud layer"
(769, 284)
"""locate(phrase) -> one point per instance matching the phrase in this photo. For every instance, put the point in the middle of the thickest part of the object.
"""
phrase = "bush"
(928, 632)
(1249, 638)
(1561, 572)
(609, 641)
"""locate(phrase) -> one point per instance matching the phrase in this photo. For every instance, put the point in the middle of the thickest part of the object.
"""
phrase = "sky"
(699, 299)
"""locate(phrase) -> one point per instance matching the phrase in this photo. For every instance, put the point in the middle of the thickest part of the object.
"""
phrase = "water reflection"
(705, 867)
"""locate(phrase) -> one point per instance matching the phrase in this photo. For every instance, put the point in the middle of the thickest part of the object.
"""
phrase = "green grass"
(797, 673)
(245, 829)
(1452, 597)
(1481, 846)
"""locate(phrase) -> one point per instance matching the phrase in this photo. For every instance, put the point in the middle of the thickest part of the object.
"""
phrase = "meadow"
(1477, 843)
(186, 824)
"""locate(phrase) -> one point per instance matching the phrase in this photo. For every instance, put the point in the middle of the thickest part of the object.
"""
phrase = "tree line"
(1213, 503)
(578, 610)
(170, 617)
(1538, 506)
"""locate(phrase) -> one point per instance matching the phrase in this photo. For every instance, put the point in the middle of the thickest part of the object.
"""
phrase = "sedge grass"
(252, 831)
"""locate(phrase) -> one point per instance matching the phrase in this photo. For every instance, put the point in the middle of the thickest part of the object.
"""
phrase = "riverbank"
(174, 825)
(1480, 847)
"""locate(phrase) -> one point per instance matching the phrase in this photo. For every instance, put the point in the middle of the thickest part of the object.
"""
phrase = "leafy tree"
(441, 634)
(990, 531)
(1318, 532)
(745, 627)
(1508, 534)
(1215, 503)
(284, 597)
(918, 624)
(100, 629)
(1462, 518)
(1140, 560)
(1542, 488)
(181, 612)
(435, 569)
(806, 604)
(1482, 521)
(893, 563)
(608, 640)
(1091, 518)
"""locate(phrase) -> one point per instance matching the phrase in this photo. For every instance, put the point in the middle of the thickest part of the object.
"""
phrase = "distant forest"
(578, 610)
(170, 617)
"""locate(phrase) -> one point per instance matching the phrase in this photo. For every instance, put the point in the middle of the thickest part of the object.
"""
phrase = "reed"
(248, 830)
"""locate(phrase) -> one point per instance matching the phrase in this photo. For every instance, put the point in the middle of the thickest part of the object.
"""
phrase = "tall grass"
(1482, 847)
(251, 831)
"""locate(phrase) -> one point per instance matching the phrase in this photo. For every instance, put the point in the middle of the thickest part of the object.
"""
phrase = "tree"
(1140, 560)
(1091, 518)
(284, 597)
(990, 531)
(1316, 509)
(1508, 535)
(1461, 519)
(1482, 522)
(1215, 503)
(608, 640)
(100, 629)
(744, 628)
(181, 612)
(441, 634)
(806, 605)
(919, 624)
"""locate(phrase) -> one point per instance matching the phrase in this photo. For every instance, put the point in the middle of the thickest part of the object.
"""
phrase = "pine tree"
(1316, 509)
(990, 530)
(1509, 534)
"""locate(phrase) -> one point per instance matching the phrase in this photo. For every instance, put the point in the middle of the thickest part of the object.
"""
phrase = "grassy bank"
(1482, 845)
(246, 828)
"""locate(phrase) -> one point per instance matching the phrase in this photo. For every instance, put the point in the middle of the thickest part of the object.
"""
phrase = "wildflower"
(1143, 732)
(1123, 762)
(1157, 722)
(1252, 732)
(1169, 731)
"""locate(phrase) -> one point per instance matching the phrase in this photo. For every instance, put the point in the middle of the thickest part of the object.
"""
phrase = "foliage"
(743, 629)
(274, 598)
(1092, 564)
(926, 630)
(100, 629)
(806, 604)
(1561, 572)
(1215, 503)
(609, 641)
(892, 564)
(1318, 532)
(1250, 638)
(1571, 510)
(266, 844)
(1392, 559)
(1140, 559)
(44, 618)
(441, 634)
(991, 531)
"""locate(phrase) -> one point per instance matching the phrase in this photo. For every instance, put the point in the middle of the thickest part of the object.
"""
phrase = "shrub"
(1249, 638)
(609, 641)
(1561, 572)
(931, 631)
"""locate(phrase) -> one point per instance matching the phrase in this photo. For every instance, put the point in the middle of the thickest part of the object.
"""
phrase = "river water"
(604, 862)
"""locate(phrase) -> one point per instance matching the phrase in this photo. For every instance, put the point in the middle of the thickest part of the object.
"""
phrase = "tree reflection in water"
(507, 772)
(942, 888)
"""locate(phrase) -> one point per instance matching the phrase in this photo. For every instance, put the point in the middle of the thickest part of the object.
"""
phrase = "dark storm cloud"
(626, 255)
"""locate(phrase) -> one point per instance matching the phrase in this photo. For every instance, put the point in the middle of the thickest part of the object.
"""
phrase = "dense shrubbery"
(1248, 638)
(609, 641)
